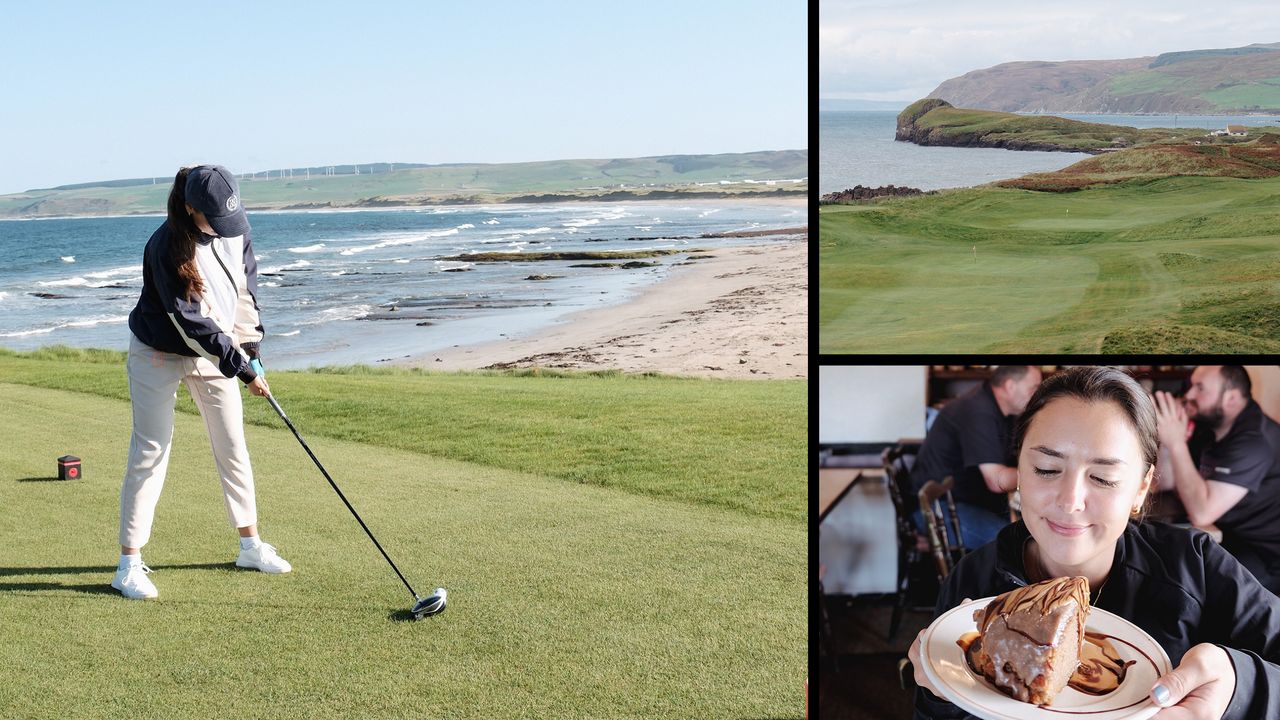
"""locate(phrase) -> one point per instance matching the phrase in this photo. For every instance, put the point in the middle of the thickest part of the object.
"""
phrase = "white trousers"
(153, 388)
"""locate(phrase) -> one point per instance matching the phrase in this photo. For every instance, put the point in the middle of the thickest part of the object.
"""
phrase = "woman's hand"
(1171, 420)
(259, 387)
(1200, 687)
(918, 668)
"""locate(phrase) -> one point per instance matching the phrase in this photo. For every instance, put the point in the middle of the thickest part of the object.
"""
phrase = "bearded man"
(1237, 483)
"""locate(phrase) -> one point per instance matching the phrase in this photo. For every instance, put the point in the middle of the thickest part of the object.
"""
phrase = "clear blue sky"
(104, 90)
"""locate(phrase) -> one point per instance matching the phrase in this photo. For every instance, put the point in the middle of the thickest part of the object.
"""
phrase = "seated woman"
(1086, 448)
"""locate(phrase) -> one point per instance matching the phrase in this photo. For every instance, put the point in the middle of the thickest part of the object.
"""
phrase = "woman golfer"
(196, 322)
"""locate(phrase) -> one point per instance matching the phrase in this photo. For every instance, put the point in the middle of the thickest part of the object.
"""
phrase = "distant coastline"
(900, 107)
(788, 197)
(770, 174)
(799, 192)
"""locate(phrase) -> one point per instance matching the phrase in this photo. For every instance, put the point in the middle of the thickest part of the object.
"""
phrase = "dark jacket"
(1176, 584)
(167, 320)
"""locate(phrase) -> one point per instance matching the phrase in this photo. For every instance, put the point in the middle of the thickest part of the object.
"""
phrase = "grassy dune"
(614, 546)
(1181, 264)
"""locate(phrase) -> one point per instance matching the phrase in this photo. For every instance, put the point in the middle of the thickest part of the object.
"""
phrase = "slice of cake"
(1029, 638)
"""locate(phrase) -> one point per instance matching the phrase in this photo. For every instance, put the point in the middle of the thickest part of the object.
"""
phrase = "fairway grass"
(1175, 265)
(567, 599)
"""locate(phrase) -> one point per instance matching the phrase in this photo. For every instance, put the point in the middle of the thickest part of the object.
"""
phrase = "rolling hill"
(1225, 80)
(767, 173)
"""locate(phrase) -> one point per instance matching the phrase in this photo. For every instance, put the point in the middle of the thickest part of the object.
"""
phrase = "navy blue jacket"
(167, 320)
(1176, 584)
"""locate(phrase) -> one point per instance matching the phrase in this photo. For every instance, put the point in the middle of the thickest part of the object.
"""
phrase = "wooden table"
(835, 483)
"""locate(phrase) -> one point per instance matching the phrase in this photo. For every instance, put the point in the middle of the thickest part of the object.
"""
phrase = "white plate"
(944, 665)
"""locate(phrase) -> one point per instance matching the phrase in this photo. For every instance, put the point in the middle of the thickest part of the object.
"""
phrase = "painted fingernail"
(1161, 694)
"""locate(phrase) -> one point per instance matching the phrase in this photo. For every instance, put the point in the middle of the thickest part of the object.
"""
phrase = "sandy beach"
(740, 314)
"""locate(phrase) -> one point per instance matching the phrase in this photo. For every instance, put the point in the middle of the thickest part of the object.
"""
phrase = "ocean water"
(327, 281)
(857, 148)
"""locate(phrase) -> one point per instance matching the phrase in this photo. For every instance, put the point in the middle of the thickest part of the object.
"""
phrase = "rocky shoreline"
(740, 314)
(862, 193)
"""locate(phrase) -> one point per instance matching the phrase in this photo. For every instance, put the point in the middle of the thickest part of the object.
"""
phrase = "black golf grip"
(346, 502)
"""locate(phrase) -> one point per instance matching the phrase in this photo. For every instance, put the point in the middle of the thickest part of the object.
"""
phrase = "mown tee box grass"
(608, 594)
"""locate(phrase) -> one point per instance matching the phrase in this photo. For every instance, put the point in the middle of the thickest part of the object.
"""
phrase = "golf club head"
(430, 605)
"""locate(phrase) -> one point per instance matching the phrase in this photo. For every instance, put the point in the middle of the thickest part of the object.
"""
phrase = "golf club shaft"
(334, 485)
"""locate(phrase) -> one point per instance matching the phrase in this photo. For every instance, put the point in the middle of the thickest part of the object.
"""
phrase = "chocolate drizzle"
(1101, 670)
(1041, 598)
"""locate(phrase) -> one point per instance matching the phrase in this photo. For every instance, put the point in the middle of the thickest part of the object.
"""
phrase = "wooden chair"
(826, 640)
(912, 547)
(931, 498)
(945, 556)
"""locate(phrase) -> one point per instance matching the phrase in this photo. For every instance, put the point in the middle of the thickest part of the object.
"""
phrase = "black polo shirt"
(1249, 456)
(967, 432)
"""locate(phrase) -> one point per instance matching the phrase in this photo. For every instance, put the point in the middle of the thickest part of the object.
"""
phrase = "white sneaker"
(133, 583)
(264, 558)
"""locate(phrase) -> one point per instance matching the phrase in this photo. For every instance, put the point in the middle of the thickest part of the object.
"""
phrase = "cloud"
(902, 50)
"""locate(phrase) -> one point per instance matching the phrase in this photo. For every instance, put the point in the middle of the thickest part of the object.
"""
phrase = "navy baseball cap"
(212, 190)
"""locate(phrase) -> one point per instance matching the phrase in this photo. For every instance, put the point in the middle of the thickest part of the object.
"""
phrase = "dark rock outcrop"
(859, 193)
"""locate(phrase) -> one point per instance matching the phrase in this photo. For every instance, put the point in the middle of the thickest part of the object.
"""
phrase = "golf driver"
(422, 606)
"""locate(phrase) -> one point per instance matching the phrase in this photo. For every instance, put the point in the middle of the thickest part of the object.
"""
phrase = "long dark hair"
(184, 234)
(1097, 384)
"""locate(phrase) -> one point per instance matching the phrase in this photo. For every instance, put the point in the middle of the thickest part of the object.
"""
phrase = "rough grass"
(652, 435)
(1186, 262)
(1163, 339)
(567, 600)
(1154, 162)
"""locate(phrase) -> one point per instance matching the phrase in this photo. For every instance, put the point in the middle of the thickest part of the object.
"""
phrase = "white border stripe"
(193, 344)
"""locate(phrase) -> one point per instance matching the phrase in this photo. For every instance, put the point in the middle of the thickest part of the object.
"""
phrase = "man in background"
(969, 441)
(1236, 485)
